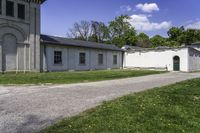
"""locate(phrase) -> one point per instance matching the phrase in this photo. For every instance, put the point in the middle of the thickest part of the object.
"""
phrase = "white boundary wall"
(157, 59)
(194, 60)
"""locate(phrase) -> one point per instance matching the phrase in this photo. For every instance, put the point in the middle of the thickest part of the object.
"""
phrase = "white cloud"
(195, 25)
(148, 7)
(142, 23)
(124, 9)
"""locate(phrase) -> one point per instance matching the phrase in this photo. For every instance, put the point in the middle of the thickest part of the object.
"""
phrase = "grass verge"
(70, 77)
(172, 109)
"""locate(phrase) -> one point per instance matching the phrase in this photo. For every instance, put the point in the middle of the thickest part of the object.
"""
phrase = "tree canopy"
(120, 32)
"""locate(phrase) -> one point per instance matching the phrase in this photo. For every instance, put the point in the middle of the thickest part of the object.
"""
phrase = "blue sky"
(149, 16)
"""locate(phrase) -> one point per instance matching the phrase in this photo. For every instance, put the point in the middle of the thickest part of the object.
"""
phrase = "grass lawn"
(172, 109)
(70, 77)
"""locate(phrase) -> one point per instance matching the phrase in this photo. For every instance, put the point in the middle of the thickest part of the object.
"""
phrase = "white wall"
(157, 59)
(70, 58)
(194, 60)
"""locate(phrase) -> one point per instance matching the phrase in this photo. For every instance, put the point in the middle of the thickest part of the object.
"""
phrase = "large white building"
(23, 48)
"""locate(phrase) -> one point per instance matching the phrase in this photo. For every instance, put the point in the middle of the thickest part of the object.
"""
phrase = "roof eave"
(57, 43)
(36, 1)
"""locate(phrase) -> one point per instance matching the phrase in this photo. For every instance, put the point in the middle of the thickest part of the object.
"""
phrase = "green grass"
(169, 109)
(70, 77)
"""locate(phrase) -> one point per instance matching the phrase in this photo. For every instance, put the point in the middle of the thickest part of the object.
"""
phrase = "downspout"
(188, 59)
(45, 59)
(123, 59)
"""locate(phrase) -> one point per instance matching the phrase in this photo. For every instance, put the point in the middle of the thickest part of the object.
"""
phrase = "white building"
(61, 54)
(184, 59)
(23, 48)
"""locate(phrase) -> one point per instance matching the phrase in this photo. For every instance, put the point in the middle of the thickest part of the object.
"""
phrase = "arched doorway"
(176, 63)
(9, 52)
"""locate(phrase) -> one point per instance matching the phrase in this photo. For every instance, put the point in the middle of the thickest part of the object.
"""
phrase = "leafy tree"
(119, 26)
(191, 36)
(169, 43)
(174, 33)
(158, 40)
(100, 32)
(121, 31)
(143, 40)
(182, 36)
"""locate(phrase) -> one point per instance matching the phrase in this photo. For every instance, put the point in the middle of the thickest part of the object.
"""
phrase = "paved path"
(26, 109)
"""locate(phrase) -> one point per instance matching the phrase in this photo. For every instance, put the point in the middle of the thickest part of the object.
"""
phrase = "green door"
(176, 63)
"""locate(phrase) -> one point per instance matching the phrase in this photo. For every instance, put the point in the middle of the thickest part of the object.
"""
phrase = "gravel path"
(26, 109)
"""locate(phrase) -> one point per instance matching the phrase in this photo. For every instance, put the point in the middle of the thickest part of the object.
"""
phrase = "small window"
(115, 59)
(0, 6)
(10, 8)
(57, 57)
(100, 59)
(21, 11)
(82, 58)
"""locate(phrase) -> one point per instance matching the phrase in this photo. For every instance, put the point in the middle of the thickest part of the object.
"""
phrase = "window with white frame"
(82, 58)
(0, 7)
(100, 59)
(57, 57)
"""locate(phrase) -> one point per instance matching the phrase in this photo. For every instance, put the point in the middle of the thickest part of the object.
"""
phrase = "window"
(115, 59)
(57, 57)
(10, 8)
(0, 6)
(100, 59)
(82, 58)
(21, 11)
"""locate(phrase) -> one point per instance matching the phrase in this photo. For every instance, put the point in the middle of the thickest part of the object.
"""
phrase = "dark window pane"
(10, 8)
(100, 59)
(21, 11)
(0, 6)
(57, 57)
(82, 58)
(115, 59)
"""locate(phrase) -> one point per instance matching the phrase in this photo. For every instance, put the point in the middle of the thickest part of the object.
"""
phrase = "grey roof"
(158, 49)
(36, 1)
(128, 47)
(196, 43)
(52, 40)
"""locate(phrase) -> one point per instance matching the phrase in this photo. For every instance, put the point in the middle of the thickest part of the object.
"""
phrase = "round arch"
(9, 56)
(176, 63)
(14, 30)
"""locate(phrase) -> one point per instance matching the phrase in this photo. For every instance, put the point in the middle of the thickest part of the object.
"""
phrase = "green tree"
(121, 31)
(100, 32)
(158, 40)
(143, 40)
(182, 36)
(174, 33)
(119, 26)
(191, 36)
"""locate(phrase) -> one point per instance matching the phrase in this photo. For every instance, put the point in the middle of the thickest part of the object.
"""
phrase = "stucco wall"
(194, 60)
(157, 59)
(27, 34)
(70, 58)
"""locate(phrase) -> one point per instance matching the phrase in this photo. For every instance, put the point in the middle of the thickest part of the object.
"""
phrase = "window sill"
(82, 64)
(14, 19)
(58, 64)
